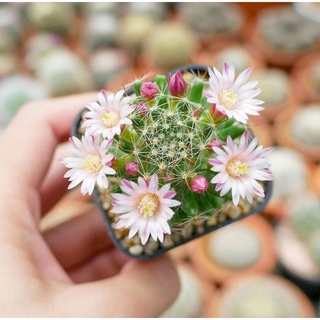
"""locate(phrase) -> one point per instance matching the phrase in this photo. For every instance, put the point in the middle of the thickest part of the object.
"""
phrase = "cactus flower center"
(93, 163)
(110, 119)
(236, 168)
(148, 204)
(229, 99)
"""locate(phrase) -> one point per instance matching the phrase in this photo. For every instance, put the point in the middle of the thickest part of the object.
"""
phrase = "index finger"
(28, 143)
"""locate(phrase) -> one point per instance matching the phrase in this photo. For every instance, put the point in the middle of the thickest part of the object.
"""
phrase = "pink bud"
(169, 178)
(196, 113)
(177, 84)
(216, 114)
(149, 90)
(214, 143)
(199, 184)
(132, 168)
(142, 109)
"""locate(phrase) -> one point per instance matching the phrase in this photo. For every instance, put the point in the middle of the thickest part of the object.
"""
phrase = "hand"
(72, 270)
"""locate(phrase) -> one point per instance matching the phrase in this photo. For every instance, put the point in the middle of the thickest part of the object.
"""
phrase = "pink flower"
(132, 168)
(90, 163)
(144, 208)
(143, 110)
(148, 90)
(239, 167)
(177, 84)
(199, 184)
(109, 115)
(231, 96)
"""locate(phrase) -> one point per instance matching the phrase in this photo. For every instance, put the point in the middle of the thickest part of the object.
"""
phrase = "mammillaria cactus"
(171, 153)
(258, 296)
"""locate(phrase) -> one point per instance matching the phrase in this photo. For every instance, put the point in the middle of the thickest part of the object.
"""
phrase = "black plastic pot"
(197, 70)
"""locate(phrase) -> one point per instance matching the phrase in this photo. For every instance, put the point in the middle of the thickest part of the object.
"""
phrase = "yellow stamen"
(148, 204)
(236, 168)
(229, 99)
(110, 119)
(93, 163)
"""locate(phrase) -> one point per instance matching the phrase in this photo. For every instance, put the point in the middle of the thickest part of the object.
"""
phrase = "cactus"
(170, 45)
(235, 247)
(101, 30)
(285, 29)
(211, 18)
(15, 91)
(62, 72)
(260, 297)
(304, 217)
(290, 173)
(52, 16)
(169, 139)
(304, 127)
(275, 84)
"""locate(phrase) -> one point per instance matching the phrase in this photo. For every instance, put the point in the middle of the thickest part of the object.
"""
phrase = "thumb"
(141, 289)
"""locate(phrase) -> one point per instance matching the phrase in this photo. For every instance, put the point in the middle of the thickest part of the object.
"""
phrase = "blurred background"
(267, 265)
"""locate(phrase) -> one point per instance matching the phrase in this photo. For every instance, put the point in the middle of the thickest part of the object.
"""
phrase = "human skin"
(73, 269)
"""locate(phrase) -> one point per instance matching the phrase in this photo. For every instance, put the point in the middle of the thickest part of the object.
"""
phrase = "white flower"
(239, 167)
(233, 97)
(107, 116)
(90, 163)
(144, 208)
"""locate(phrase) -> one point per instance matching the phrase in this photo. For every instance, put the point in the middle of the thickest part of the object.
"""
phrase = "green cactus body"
(235, 247)
(304, 216)
(305, 125)
(285, 29)
(314, 247)
(260, 297)
(275, 85)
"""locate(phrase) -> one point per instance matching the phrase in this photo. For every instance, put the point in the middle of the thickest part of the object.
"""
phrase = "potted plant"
(169, 157)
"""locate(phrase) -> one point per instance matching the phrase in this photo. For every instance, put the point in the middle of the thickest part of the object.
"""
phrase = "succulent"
(52, 16)
(235, 246)
(106, 64)
(285, 29)
(212, 18)
(304, 127)
(170, 45)
(101, 30)
(62, 72)
(260, 297)
(275, 85)
(134, 29)
(15, 91)
(290, 173)
(155, 152)
(304, 217)
(39, 46)
(239, 56)
(189, 303)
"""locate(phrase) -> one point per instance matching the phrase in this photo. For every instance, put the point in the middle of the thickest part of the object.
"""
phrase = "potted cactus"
(300, 231)
(283, 35)
(239, 249)
(261, 296)
(170, 156)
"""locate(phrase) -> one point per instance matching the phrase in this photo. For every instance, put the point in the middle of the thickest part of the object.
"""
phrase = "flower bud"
(132, 168)
(177, 84)
(148, 90)
(199, 184)
(214, 144)
(143, 109)
(216, 114)
(169, 178)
